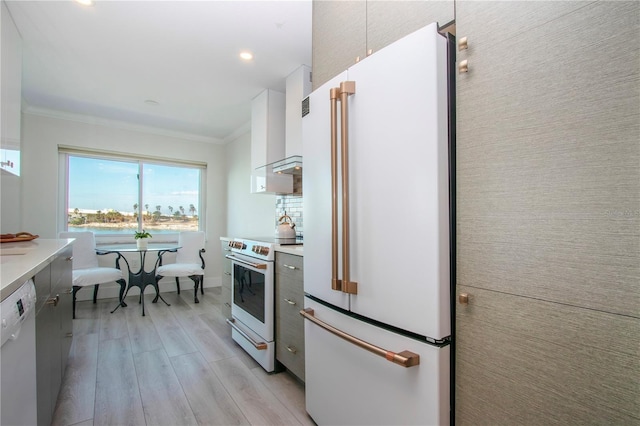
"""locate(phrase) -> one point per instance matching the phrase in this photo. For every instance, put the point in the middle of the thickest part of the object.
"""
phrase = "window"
(112, 195)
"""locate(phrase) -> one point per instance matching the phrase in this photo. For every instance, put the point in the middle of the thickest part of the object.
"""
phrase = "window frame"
(64, 153)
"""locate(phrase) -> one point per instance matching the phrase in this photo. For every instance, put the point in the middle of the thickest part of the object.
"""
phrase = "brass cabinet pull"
(261, 346)
(69, 291)
(404, 358)
(291, 302)
(227, 273)
(463, 298)
(292, 350)
(244, 262)
(463, 67)
(227, 303)
(53, 301)
(69, 335)
(69, 259)
(289, 266)
(463, 44)
(369, 52)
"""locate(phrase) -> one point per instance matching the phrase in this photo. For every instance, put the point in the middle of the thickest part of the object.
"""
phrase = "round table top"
(126, 248)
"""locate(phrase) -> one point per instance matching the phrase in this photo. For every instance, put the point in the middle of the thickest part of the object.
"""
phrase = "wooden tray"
(18, 239)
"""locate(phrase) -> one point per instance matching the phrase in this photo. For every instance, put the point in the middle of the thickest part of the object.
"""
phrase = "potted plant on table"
(141, 239)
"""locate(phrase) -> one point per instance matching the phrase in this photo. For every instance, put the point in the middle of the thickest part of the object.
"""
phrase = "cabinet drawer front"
(289, 265)
(225, 308)
(290, 344)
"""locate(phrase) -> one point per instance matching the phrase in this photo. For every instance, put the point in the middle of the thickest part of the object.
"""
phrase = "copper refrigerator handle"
(346, 88)
(404, 358)
(336, 283)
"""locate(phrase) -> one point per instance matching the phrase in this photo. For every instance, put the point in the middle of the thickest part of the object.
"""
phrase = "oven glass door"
(249, 291)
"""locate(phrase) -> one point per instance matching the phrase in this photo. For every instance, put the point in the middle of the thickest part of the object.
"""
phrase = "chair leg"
(95, 292)
(196, 280)
(75, 290)
(178, 284)
(202, 284)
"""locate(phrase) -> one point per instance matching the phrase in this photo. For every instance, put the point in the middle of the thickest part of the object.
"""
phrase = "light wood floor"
(175, 366)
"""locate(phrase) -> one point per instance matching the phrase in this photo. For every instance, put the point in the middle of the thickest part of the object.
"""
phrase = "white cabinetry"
(10, 93)
(267, 143)
(298, 87)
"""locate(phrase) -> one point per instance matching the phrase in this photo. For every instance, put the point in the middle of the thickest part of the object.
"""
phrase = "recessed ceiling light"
(247, 56)
(151, 102)
(85, 2)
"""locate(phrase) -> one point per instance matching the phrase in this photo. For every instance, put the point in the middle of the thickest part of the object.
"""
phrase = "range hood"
(277, 135)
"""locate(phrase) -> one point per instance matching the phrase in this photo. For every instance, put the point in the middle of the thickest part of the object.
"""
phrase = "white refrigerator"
(377, 258)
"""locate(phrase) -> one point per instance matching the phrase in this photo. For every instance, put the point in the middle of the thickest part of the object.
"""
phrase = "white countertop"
(291, 249)
(21, 261)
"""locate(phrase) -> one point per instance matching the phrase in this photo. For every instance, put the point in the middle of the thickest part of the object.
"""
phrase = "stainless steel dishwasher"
(18, 357)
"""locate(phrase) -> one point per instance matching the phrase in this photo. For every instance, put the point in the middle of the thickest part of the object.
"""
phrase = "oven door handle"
(261, 346)
(244, 262)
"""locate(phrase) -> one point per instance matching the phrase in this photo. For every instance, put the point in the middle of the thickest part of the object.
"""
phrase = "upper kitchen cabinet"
(345, 31)
(10, 93)
(268, 143)
(298, 87)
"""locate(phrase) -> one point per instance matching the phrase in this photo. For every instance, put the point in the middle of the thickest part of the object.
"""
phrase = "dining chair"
(189, 261)
(86, 271)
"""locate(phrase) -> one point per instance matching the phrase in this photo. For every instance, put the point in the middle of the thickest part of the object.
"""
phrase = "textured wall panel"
(339, 35)
(526, 361)
(549, 157)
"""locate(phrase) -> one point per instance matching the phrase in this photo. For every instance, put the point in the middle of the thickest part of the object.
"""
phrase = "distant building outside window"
(119, 195)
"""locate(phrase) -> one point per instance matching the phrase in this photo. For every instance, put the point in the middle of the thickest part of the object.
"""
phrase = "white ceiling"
(107, 59)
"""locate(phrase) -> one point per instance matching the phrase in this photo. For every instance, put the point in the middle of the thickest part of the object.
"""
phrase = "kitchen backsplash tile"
(292, 204)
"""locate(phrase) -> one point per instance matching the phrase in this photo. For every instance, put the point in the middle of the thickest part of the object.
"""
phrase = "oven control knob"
(262, 250)
(237, 245)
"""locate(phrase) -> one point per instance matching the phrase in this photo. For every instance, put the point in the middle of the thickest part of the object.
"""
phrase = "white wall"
(11, 209)
(248, 215)
(40, 139)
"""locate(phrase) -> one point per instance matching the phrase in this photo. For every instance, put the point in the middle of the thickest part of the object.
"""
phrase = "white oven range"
(252, 308)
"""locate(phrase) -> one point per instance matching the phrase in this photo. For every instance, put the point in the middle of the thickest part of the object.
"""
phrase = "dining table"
(141, 277)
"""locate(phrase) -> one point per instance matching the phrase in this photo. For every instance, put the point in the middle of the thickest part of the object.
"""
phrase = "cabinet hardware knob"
(69, 335)
(463, 44)
(69, 291)
(53, 301)
(227, 273)
(369, 52)
(463, 66)
(69, 259)
(357, 59)
(289, 266)
(463, 298)
(292, 350)
(291, 302)
(227, 303)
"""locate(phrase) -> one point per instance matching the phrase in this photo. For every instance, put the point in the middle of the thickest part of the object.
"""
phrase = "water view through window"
(120, 197)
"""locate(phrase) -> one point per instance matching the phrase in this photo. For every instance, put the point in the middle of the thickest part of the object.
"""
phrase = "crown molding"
(245, 128)
(123, 125)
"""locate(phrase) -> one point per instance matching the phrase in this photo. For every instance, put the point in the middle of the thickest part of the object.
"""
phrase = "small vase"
(141, 243)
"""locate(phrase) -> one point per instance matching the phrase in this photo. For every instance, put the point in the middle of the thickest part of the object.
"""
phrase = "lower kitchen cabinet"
(289, 323)
(226, 280)
(53, 331)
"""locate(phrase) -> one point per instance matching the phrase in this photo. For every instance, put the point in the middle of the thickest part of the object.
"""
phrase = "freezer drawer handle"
(404, 358)
(254, 265)
(261, 346)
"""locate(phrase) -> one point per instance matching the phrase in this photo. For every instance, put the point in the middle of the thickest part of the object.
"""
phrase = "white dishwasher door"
(18, 358)
(347, 385)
